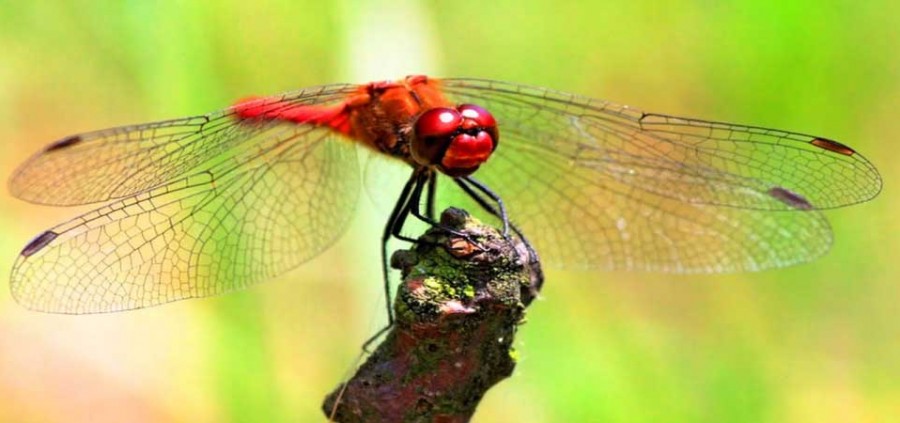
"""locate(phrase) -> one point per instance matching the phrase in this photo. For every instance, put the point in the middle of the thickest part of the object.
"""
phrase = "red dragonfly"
(208, 204)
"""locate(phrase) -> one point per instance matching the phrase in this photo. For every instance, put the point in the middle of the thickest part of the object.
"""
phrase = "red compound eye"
(456, 141)
(434, 131)
(480, 118)
(478, 114)
(438, 122)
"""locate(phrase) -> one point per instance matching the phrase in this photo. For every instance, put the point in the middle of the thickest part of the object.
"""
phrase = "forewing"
(650, 150)
(279, 200)
(594, 184)
(119, 162)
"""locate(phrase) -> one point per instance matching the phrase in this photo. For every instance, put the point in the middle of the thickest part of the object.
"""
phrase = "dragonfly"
(209, 204)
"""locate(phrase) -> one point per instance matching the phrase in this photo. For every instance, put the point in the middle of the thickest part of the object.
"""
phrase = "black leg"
(409, 203)
(416, 198)
(398, 216)
(501, 213)
(432, 191)
(487, 191)
(414, 204)
(373, 338)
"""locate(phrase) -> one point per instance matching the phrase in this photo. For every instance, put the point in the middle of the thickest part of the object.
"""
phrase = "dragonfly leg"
(426, 180)
(373, 338)
(432, 189)
(408, 203)
(395, 221)
(499, 211)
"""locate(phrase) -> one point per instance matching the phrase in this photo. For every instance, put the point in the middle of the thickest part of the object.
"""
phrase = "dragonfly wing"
(279, 200)
(714, 158)
(582, 218)
(594, 184)
(119, 162)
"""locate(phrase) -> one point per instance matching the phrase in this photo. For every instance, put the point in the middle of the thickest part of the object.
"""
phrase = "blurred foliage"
(817, 343)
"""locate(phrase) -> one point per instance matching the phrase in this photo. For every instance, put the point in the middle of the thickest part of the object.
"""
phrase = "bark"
(457, 310)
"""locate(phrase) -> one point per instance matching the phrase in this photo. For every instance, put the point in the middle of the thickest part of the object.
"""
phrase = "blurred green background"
(816, 343)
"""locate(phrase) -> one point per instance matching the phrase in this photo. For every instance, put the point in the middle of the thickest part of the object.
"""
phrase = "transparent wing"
(711, 158)
(283, 196)
(119, 162)
(595, 184)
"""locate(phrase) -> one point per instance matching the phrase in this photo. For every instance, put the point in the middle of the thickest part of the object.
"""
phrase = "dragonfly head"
(455, 140)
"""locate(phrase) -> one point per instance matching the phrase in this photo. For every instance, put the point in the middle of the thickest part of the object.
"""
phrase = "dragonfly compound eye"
(479, 117)
(434, 130)
(456, 141)
(473, 144)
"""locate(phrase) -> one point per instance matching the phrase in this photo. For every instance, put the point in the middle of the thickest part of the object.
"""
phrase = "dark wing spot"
(833, 146)
(63, 143)
(790, 198)
(39, 242)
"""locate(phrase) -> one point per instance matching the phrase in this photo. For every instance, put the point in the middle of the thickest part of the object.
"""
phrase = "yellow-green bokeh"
(817, 343)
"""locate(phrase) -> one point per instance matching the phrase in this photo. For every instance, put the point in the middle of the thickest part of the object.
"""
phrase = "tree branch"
(458, 308)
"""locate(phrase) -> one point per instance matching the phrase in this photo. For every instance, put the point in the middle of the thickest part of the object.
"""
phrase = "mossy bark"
(462, 299)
